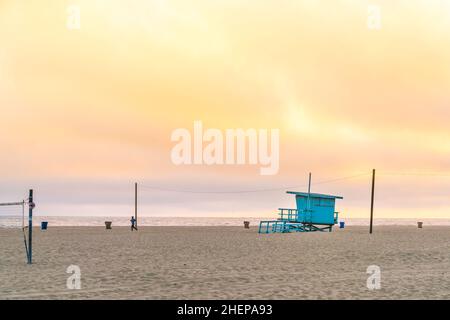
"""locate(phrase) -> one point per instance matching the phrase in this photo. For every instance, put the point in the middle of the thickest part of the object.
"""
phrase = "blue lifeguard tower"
(315, 212)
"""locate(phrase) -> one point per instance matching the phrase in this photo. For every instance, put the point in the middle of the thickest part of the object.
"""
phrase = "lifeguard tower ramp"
(315, 212)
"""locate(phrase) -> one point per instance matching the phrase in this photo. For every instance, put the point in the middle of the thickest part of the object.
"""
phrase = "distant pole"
(135, 203)
(309, 184)
(30, 227)
(309, 192)
(372, 200)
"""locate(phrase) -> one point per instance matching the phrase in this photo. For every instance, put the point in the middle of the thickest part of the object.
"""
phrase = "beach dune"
(226, 263)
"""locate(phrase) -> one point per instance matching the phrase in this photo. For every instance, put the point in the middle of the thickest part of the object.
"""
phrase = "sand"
(226, 263)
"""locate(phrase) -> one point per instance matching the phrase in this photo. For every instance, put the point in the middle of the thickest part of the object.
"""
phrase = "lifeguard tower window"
(320, 202)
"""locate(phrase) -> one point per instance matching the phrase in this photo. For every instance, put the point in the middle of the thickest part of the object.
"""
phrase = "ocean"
(16, 221)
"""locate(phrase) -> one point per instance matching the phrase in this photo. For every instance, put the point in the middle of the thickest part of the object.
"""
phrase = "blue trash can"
(44, 225)
(341, 225)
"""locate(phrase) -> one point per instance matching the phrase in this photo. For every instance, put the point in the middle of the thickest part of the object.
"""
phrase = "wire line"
(430, 174)
(251, 191)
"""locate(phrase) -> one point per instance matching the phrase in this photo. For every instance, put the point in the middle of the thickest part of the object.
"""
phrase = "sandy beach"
(227, 263)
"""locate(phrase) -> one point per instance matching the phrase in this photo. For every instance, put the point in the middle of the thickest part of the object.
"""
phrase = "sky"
(86, 112)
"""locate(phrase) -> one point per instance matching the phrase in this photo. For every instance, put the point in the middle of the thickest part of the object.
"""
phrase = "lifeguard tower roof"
(315, 195)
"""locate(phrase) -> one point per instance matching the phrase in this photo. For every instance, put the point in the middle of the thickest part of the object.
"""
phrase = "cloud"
(99, 103)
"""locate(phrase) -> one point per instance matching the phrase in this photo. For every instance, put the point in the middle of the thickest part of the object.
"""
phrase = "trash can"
(419, 225)
(247, 224)
(341, 225)
(44, 225)
(108, 224)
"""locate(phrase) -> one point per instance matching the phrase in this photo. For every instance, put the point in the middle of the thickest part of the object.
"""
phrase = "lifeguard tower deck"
(315, 212)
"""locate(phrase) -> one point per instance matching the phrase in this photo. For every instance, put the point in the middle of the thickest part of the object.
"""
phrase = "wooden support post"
(30, 227)
(135, 204)
(372, 200)
(309, 184)
(309, 191)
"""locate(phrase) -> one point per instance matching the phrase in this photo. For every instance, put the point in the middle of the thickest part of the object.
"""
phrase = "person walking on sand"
(133, 223)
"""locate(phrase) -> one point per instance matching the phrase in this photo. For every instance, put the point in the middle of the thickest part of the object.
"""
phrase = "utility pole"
(308, 215)
(135, 203)
(309, 191)
(309, 184)
(30, 227)
(372, 200)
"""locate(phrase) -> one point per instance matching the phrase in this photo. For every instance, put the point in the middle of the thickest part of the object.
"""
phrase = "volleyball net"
(13, 215)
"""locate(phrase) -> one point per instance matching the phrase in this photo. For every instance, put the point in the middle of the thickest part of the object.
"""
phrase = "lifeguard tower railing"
(295, 215)
(294, 220)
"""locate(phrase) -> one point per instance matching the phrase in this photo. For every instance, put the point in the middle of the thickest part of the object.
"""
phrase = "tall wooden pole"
(30, 227)
(308, 208)
(309, 192)
(372, 200)
(135, 203)
(309, 184)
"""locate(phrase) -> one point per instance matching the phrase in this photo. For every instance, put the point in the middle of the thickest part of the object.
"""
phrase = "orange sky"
(84, 113)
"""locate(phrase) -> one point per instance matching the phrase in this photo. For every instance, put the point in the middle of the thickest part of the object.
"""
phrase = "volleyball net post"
(28, 244)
